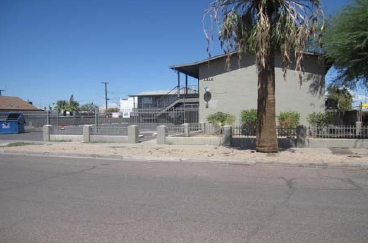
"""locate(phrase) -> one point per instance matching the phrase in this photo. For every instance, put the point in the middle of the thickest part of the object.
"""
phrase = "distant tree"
(342, 96)
(89, 108)
(320, 119)
(61, 106)
(73, 107)
(113, 110)
(346, 44)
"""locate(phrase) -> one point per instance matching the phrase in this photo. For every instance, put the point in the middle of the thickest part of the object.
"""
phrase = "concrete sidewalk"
(150, 151)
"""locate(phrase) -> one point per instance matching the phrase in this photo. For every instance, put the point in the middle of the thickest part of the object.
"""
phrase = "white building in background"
(127, 105)
(102, 109)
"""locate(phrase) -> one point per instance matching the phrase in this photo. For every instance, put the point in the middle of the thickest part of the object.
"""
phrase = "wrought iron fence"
(243, 131)
(286, 132)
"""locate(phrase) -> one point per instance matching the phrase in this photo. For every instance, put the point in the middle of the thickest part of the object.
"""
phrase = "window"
(147, 100)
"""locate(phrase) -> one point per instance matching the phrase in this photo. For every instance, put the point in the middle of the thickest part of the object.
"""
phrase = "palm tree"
(61, 106)
(73, 107)
(266, 27)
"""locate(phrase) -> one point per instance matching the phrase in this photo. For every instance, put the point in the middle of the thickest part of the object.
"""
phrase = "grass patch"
(99, 142)
(16, 144)
(62, 140)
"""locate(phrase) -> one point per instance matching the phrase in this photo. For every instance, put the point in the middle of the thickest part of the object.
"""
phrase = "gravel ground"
(151, 151)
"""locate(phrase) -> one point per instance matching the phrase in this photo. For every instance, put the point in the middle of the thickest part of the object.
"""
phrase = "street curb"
(186, 160)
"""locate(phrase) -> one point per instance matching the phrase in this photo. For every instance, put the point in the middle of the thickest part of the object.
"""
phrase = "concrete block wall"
(301, 141)
(133, 136)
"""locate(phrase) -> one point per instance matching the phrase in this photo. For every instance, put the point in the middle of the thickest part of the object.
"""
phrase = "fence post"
(46, 132)
(186, 129)
(96, 120)
(161, 134)
(227, 135)
(358, 128)
(203, 127)
(133, 134)
(87, 133)
(47, 117)
(301, 136)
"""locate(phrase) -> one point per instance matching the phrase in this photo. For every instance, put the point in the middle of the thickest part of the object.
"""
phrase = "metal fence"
(194, 129)
(180, 115)
(338, 132)
(115, 129)
(243, 131)
(281, 132)
(149, 119)
(175, 130)
(146, 119)
(67, 130)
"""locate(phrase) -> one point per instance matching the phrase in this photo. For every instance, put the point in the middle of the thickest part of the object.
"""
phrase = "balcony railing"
(178, 92)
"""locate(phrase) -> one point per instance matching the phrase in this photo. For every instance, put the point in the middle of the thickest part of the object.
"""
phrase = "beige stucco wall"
(236, 90)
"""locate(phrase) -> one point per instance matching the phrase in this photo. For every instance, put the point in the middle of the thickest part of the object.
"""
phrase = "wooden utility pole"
(106, 99)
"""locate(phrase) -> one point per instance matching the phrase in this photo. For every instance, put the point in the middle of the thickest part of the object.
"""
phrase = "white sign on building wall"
(127, 106)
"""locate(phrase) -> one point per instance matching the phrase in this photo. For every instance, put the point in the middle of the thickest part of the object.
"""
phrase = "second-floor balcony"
(178, 94)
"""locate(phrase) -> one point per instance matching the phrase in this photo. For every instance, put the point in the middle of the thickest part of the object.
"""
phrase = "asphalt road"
(29, 135)
(44, 199)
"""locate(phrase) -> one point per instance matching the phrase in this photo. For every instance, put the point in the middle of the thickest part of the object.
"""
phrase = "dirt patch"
(191, 152)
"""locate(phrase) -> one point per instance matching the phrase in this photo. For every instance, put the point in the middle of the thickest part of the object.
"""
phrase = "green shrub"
(288, 119)
(249, 116)
(249, 121)
(220, 119)
(320, 119)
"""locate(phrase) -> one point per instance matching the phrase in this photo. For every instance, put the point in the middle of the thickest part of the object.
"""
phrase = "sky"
(51, 49)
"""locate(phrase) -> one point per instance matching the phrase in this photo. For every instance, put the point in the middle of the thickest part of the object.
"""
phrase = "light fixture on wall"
(207, 97)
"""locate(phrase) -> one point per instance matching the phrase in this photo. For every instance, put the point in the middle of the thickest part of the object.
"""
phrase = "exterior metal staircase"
(176, 96)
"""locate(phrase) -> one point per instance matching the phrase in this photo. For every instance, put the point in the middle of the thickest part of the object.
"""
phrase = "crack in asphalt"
(345, 180)
(289, 183)
(273, 213)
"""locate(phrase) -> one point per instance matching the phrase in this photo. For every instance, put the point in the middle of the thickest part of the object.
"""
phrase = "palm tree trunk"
(266, 105)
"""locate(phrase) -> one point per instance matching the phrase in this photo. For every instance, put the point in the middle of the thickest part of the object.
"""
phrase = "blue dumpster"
(13, 123)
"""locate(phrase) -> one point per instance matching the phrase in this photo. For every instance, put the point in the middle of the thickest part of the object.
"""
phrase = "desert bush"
(220, 119)
(288, 119)
(320, 119)
(249, 121)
